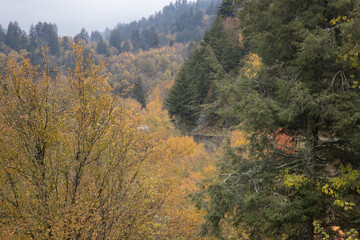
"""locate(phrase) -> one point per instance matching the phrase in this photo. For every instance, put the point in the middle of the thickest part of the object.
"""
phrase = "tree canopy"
(297, 83)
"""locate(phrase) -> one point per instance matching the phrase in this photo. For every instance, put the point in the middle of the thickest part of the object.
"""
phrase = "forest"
(208, 120)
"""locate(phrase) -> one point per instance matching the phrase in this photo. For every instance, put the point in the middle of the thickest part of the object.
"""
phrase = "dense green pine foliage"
(138, 92)
(181, 22)
(101, 46)
(15, 37)
(194, 86)
(306, 91)
(2, 35)
(44, 34)
(82, 36)
(183, 100)
(218, 57)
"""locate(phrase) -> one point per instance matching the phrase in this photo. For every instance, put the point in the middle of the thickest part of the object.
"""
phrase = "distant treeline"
(180, 22)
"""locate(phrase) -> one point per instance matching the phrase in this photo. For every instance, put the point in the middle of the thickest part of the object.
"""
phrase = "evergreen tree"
(226, 8)
(115, 39)
(82, 36)
(225, 46)
(182, 101)
(15, 37)
(95, 36)
(304, 92)
(51, 37)
(135, 39)
(44, 34)
(218, 55)
(126, 46)
(196, 77)
(138, 92)
(101, 47)
(153, 38)
(2, 35)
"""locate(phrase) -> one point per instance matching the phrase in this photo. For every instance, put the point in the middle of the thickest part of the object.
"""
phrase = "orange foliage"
(284, 141)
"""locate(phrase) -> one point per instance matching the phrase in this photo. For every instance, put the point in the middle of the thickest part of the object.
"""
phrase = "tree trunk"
(312, 138)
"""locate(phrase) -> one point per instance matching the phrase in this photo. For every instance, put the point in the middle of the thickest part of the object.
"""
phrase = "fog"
(71, 15)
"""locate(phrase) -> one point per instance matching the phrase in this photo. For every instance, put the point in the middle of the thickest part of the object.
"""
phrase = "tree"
(153, 38)
(44, 34)
(196, 79)
(223, 41)
(126, 46)
(15, 37)
(304, 91)
(73, 163)
(82, 36)
(95, 36)
(138, 92)
(182, 101)
(2, 35)
(226, 8)
(115, 39)
(101, 47)
(135, 39)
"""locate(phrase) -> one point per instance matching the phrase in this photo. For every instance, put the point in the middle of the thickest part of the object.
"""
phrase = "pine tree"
(2, 35)
(101, 47)
(224, 45)
(138, 92)
(303, 91)
(95, 36)
(182, 101)
(82, 36)
(226, 8)
(197, 77)
(115, 39)
(15, 37)
(153, 38)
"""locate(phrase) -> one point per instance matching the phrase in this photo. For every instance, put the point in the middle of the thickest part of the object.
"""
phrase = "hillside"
(208, 120)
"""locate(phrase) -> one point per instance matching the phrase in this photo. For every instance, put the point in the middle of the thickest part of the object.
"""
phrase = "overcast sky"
(71, 15)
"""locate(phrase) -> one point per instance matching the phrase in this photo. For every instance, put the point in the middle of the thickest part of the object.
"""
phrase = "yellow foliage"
(294, 180)
(241, 41)
(74, 164)
(178, 218)
(238, 139)
(252, 65)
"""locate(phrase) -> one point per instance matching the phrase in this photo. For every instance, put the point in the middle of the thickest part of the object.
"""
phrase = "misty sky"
(71, 15)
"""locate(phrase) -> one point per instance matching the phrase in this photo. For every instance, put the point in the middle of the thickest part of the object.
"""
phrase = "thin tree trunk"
(312, 138)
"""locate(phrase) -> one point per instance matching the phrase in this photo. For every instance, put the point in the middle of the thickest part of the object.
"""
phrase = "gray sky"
(71, 15)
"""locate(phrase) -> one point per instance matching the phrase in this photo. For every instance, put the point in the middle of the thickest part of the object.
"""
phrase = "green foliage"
(138, 92)
(82, 36)
(224, 43)
(115, 39)
(2, 35)
(209, 65)
(44, 34)
(195, 81)
(101, 47)
(226, 8)
(303, 90)
(15, 37)
(182, 100)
